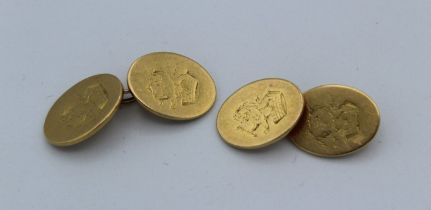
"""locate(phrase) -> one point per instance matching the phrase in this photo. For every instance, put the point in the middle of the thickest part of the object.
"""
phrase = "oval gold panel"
(337, 121)
(83, 110)
(172, 86)
(260, 113)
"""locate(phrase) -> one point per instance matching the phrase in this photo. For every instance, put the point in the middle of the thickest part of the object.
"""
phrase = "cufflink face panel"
(172, 86)
(83, 110)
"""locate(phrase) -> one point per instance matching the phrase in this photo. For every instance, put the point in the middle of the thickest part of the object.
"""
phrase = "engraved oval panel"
(337, 121)
(83, 110)
(172, 86)
(260, 113)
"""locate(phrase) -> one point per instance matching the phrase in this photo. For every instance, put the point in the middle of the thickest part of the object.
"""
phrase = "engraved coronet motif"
(256, 117)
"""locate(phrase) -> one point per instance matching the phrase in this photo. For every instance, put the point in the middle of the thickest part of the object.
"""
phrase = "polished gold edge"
(332, 156)
(258, 146)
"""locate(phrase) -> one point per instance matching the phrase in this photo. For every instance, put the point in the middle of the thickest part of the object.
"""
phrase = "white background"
(139, 161)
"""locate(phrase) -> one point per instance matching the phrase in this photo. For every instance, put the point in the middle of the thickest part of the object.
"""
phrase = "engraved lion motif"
(334, 125)
(257, 116)
(91, 102)
(177, 87)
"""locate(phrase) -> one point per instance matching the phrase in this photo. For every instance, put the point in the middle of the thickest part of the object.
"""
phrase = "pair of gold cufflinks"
(329, 120)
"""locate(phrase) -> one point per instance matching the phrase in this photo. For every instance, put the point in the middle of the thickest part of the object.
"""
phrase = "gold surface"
(83, 110)
(337, 121)
(172, 86)
(260, 113)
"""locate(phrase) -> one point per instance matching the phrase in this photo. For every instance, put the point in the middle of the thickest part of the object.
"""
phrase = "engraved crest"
(334, 124)
(257, 116)
(91, 102)
(173, 88)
